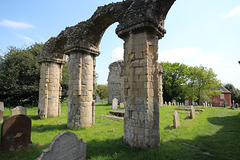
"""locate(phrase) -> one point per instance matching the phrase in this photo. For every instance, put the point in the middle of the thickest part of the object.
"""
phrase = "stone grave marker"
(121, 105)
(176, 121)
(165, 103)
(16, 133)
(115, 103)
(169, 103)
(98, 100)
(192, 113)
(65, 146)
(1, 111)
(18, 110)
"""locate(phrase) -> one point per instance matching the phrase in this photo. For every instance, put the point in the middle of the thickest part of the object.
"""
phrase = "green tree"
(235, 92)
(64, 83)
(202, 84)
(102, 91)
(174, 79)
(19, 75)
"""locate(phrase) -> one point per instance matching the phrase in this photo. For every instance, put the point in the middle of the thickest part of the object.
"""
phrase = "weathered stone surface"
(115, 81)
(176, 121)
(141, 25)
(50, 90)
(18, 110)
(93, 112)
(121, 105)
(113, 117)
(16, 133)
(65, 146)
(192, 113)
(1, 111)
(115, 103)
(98, 100)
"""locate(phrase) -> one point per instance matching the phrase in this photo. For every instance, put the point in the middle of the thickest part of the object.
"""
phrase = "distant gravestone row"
(67, 146)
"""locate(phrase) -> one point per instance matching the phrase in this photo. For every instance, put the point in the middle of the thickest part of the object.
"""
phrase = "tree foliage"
(235, 92)
(19, 76)
(181, 82)
(102, 91)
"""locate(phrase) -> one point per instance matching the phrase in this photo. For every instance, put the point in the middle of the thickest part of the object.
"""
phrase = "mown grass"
(214, 134)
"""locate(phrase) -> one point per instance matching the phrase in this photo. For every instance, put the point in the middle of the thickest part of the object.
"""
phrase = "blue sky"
(199, 32)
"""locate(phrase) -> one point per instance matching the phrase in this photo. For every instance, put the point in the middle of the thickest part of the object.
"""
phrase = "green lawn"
(214, 134)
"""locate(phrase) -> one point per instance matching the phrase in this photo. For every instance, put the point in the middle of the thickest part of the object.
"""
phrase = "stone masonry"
(115, 82)
(141, 25)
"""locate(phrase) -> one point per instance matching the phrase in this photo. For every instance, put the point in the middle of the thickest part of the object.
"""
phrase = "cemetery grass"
(214, 134)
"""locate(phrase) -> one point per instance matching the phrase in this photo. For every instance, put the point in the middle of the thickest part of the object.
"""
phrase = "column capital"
(71, 49)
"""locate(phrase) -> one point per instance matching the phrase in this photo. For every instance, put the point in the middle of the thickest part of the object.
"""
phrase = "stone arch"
(141, 25)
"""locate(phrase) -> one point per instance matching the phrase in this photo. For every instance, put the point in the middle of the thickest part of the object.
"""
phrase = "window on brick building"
(221, 96)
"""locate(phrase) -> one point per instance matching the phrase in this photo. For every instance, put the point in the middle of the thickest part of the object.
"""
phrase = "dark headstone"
(16, 133)
(65, 146)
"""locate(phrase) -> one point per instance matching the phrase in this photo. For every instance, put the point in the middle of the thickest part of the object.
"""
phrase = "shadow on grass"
(48, 127)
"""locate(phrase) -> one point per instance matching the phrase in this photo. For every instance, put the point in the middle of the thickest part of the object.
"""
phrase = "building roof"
(223, 89)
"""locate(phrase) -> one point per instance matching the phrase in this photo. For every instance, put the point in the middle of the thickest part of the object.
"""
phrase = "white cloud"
(15, 25)
(27, 39)
(233, 12)
(117, 54)
(179, 54)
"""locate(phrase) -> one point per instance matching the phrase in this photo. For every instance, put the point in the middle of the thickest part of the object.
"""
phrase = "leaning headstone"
(16, 133)
(98, 100)
(1, 111)
(115, 103)
(176, 121)
(66, 145)
(121, 105)
(18, 110)
(192, 113)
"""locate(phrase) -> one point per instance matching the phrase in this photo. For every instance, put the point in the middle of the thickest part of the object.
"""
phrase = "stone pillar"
(80, 94)
(141, 90)
(50, 89)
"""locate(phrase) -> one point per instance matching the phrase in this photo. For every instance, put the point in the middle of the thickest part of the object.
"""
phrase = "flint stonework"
(140, 25)
(65, 146)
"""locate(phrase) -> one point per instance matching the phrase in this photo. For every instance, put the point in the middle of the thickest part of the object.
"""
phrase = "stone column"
(50, 89)
(80, 94)
(141, 90)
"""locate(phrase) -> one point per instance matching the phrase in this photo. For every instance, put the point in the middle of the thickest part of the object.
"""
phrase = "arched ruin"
(141, 25)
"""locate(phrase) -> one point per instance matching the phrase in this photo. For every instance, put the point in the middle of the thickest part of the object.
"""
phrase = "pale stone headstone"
(1, 111)
(176, 121)
(16, 133)
(233, 104)
(192, 113)
(18, 110)
(169, 103)
(115, 103)
(165, 103)
(121, 105)
(204, 105)
(66, 145)
(178, 103)
(98, 100)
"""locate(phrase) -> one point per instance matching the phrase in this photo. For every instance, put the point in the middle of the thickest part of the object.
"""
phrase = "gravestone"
(178, 103)
(192, 113)
(176, 121)
(18, 110)
(121, 105)
(98, 100)
(16, 133)
(165, 103)
(65, 146)
(115, 103)
(1, 111)
(169, 103)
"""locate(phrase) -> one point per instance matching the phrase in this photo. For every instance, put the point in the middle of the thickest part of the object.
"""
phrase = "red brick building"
(224, 97)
